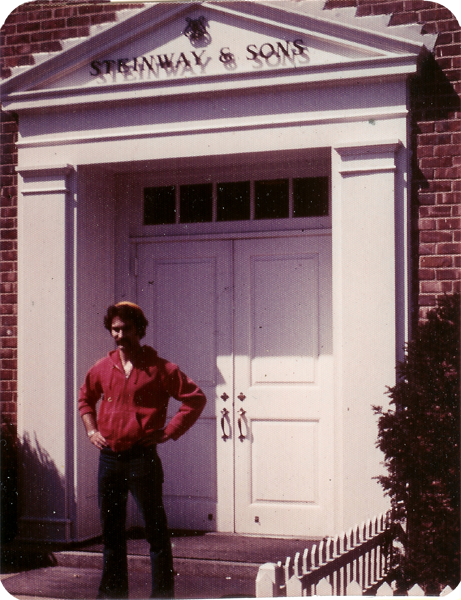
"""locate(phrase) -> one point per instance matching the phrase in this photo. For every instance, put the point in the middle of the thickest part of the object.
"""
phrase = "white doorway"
(250, 320)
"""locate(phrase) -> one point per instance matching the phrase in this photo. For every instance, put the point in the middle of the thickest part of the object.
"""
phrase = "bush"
(420, 438)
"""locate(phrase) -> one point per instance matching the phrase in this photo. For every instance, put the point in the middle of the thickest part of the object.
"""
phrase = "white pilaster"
(364, 202)
(45, 345)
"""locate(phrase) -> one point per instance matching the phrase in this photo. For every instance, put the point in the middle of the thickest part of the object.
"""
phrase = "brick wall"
(436, 143)
(436, 136)
(31, 28)
(8, 269)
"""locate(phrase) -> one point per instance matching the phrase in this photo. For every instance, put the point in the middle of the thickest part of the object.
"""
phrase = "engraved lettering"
(108, 64)
(198, 58)
(165, 62)
(299, 44)
(254, 52)
(123, 66)
(182, 59)
(95, 66)
(266, 54)
(285, 51)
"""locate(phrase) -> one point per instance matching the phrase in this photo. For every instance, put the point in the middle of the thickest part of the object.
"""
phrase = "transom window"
(237, 201)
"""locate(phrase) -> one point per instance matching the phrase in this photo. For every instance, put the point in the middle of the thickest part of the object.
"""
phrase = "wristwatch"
(92, 432)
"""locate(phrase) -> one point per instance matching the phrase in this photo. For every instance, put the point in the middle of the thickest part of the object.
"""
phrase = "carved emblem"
(196, 30)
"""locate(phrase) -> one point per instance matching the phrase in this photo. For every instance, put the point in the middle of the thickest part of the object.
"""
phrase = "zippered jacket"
(135, 407)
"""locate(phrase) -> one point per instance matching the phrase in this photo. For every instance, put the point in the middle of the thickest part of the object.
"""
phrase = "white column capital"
(367, 157)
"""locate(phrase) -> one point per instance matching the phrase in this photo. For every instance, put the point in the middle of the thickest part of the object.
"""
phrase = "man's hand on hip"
(98, 440)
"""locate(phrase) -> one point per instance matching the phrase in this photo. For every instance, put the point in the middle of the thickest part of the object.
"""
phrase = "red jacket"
(134, 407)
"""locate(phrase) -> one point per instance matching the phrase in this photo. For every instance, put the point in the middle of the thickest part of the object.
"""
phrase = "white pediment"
(176, 44)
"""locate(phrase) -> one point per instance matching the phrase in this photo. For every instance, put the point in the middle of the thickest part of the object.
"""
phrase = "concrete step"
(184, 566)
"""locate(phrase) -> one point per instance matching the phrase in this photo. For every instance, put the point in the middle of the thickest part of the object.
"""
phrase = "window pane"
(196, 203)
(271, 199)
(234, 201)
(310, 197)
(159, 205)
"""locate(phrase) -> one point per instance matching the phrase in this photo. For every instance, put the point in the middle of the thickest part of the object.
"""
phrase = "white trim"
(346, 172)
(39, 170)
(359, 149)
(151, 239)
(33, 191)
(244, 124)
(322, 25)
(399, 66)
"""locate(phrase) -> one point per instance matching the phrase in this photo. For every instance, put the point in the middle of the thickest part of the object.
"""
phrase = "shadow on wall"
(41, 492)
(30, 486)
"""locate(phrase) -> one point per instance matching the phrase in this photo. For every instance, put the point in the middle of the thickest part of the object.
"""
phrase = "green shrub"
(420, 438)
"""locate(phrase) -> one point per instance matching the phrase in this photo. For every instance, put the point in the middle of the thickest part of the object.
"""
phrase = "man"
(135, 385)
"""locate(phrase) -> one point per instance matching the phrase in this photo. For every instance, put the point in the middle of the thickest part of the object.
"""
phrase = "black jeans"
(139, 471)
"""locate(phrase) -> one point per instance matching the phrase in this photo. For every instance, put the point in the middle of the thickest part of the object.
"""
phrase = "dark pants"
(139, 471)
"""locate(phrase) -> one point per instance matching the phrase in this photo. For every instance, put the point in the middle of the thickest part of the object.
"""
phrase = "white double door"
(250, 321)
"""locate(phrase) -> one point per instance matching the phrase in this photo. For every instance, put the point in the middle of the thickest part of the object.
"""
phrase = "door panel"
(250, 321)
(283, 368)
(185, 288)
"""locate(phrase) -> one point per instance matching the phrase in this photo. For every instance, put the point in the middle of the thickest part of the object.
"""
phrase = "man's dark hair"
(128, 312)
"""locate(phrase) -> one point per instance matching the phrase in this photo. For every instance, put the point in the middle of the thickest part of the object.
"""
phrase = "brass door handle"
(239, 422)
(224, 413)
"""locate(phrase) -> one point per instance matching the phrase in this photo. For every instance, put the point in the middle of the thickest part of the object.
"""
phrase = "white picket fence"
(351, 564)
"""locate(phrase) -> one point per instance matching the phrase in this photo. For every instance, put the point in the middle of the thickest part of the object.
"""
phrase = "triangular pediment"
(184, 43)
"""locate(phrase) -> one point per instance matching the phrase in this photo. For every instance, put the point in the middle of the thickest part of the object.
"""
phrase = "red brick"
(448, 223)
(426, 274)
(445, 147)
(404, 18)
(447, 126)
(438, 161)
(426, 127)
(424, 151)
(64, 12)
(78, 22)
(436, 237)
(54, 46)
(364, 10)
(42, 36)
(445, 39)
(414, 4)
(436, 211)
(39, 15)
(427, 173)
(434, 139)
(439, 287)
(436, 14)
(448, 274)
(396, 6)
(439, 185)
(64, 34)
(426, 300)
(452, 50)
(53, 24)
(436, 261)
(448, 173)
(427, 224)
(103, 18)
(90, 8)
(448, 197)
(447, 248)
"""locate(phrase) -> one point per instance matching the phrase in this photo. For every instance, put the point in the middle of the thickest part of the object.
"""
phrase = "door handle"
(241, 413)
(224, 413)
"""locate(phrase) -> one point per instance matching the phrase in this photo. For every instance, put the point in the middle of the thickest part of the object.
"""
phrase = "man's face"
(125, 334)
